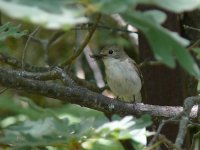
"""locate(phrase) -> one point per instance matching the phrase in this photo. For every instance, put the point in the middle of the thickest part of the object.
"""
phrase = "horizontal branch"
(84, 97)
(45, 73)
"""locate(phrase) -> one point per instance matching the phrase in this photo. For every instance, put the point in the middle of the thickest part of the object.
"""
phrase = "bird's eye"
(110, 51)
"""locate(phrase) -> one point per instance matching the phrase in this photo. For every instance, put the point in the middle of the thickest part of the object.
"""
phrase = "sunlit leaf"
(60, 17)
(176, 5)
(119, 6)
(166, 45)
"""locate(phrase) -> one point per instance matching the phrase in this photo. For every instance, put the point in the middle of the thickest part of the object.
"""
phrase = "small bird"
(122, 73)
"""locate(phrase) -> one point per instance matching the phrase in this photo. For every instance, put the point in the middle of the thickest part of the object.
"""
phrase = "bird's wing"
(136, 67)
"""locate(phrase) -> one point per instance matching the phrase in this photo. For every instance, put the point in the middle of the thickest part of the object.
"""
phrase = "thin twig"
(170, 144)
(195, 44)
(191, 28)
(163, 140)
(17, 64)
(103, 27)
(191, 123)
(54, 37)
(163, 122)
(83, 45)
(155, 145)
(3, 90)
(34, 39)
(150, 63)
(49, 42)
(26, 46)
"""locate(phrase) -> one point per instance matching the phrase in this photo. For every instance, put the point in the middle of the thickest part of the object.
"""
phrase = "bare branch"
(83, 45)
(170, 144)
(46, 73)
(163, 140)
(191, 28)
(102, 27)
(17, 64)
(26, 46)
(188, 104)
(3, 90)
(160, 127)
(84, 97)
(150, 63)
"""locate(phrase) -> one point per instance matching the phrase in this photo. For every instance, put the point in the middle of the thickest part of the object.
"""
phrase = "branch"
(83, 45)
(160, 127)
(26, 46)
(84, 97)
(150, 63)
(188, 104)
(45, 73)
(17, 64)
(103, 27)
(191, 28)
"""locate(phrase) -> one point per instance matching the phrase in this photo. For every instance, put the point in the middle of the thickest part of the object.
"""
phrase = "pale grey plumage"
(123, 75)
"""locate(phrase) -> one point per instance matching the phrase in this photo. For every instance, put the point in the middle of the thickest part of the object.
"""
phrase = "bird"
(122, 73)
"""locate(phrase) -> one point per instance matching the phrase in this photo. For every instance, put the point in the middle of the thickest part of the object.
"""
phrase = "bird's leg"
(118, 98)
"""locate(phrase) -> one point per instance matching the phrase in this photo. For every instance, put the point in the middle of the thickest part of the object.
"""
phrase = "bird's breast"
(122, 78)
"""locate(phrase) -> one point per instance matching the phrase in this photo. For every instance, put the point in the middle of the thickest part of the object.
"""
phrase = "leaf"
(176, 5)
(143, 121)
(119, 6)
(51, 15)
(48, 131)
(126, 128)
(102, 144)
(156, 15)
(166, 45)
(9, 30)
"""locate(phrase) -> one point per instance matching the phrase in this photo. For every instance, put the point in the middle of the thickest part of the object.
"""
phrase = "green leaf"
(119, 6)
(143, 121)
(48, 131)
(155, 15)
(9, 30)
(102, 144)
(166, 45)
(113, 6)
(49, 14)
(176, 5)
(126, 128)
(47, 5)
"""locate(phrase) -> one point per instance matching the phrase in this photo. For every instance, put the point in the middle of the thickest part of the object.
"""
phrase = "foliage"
(168, 44)
(9, 30)
(50, 14)
(48, 129)
(25, 125)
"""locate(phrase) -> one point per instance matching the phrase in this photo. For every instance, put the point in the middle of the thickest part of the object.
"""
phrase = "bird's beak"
(97, 56)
